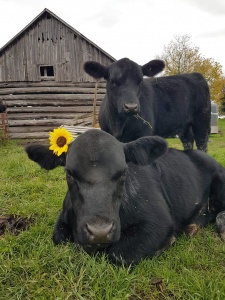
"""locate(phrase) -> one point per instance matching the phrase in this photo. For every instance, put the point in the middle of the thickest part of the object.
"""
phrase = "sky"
(137, 29)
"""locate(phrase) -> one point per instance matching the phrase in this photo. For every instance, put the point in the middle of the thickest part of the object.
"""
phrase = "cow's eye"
(115, 82)
(123, 174)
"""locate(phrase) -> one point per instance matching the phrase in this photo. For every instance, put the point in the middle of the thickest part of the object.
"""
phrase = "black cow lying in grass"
(130, 200)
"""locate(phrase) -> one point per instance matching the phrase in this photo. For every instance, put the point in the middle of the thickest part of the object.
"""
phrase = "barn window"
(47, 72)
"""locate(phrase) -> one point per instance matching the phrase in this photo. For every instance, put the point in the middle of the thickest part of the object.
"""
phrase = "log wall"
(36, 108)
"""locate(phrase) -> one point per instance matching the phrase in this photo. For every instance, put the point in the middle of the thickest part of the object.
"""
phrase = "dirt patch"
(14, 224)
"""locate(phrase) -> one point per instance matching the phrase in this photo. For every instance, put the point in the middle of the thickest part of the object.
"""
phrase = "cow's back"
(161, 186)
(188, 173)
(177, 101)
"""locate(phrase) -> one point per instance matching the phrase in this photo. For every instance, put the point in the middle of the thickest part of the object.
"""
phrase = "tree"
(181, 56)
(212, 71)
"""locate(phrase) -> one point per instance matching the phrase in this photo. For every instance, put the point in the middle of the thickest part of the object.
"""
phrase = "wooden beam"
(49, 90)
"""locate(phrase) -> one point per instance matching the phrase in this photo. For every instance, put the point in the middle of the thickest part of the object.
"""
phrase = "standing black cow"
(166, 106)
(130, 200)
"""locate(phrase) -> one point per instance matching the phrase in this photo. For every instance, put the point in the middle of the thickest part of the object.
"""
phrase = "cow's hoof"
(220, 222)
(172, 240)
(191, 230)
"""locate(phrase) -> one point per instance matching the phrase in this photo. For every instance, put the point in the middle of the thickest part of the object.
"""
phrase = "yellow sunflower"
(59, 140)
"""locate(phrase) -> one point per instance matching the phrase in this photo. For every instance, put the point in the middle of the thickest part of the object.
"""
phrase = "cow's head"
(124, 80)
(96, 169)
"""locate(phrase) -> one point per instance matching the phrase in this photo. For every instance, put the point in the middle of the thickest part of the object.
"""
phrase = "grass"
(31, 267)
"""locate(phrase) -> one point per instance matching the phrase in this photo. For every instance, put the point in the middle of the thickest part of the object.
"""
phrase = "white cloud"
(215, 7)
(137, 29)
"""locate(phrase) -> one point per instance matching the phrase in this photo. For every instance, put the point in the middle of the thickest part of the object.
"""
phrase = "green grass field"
(31, 267)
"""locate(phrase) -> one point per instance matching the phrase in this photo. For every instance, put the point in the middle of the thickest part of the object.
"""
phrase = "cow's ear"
(45, 157)
(145, 150)
(153, 67)
(95, 69)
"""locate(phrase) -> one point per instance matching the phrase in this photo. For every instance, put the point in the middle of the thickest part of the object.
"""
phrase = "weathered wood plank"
(49, 90)
(50, 109)
(42, 132)
(77, 130)
(29, 135)
(26, 123)
(60, 97)
(50, 122)
(51, 97)
(43, 116)
(31, 129)
(24, 103)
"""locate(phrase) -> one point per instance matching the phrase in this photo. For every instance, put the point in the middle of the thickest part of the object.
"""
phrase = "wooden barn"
(42, 81)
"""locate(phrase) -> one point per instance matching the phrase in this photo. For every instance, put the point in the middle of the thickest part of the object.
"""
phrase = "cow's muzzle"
(100, 233)
(130, 108)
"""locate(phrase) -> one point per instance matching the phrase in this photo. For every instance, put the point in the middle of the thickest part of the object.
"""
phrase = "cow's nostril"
(130, 107)
(99, 233)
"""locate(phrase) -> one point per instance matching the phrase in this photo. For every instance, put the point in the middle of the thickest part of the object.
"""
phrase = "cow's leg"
(192, 229)
(140, 242)
(206, 215)
(203, 218)
(187, 137)
(201, 133)
(214, 208)
(62, 232)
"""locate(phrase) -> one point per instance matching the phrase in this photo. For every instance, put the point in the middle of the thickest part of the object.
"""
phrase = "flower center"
(61, 141)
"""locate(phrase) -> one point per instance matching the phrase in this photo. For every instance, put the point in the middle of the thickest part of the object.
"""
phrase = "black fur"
(45, 157)
(167, 106)
(2, 107)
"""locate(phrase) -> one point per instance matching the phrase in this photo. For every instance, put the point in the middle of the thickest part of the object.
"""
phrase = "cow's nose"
(130, 108)
(100, 233)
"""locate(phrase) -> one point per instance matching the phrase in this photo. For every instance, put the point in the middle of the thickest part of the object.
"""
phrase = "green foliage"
(31, 267)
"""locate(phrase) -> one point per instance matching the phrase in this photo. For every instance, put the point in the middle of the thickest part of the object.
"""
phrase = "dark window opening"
(47, 71)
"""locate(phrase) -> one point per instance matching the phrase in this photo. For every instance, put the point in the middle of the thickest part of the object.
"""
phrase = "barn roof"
(40, 16)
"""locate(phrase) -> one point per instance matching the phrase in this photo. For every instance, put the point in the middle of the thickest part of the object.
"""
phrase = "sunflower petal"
(56, 136)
